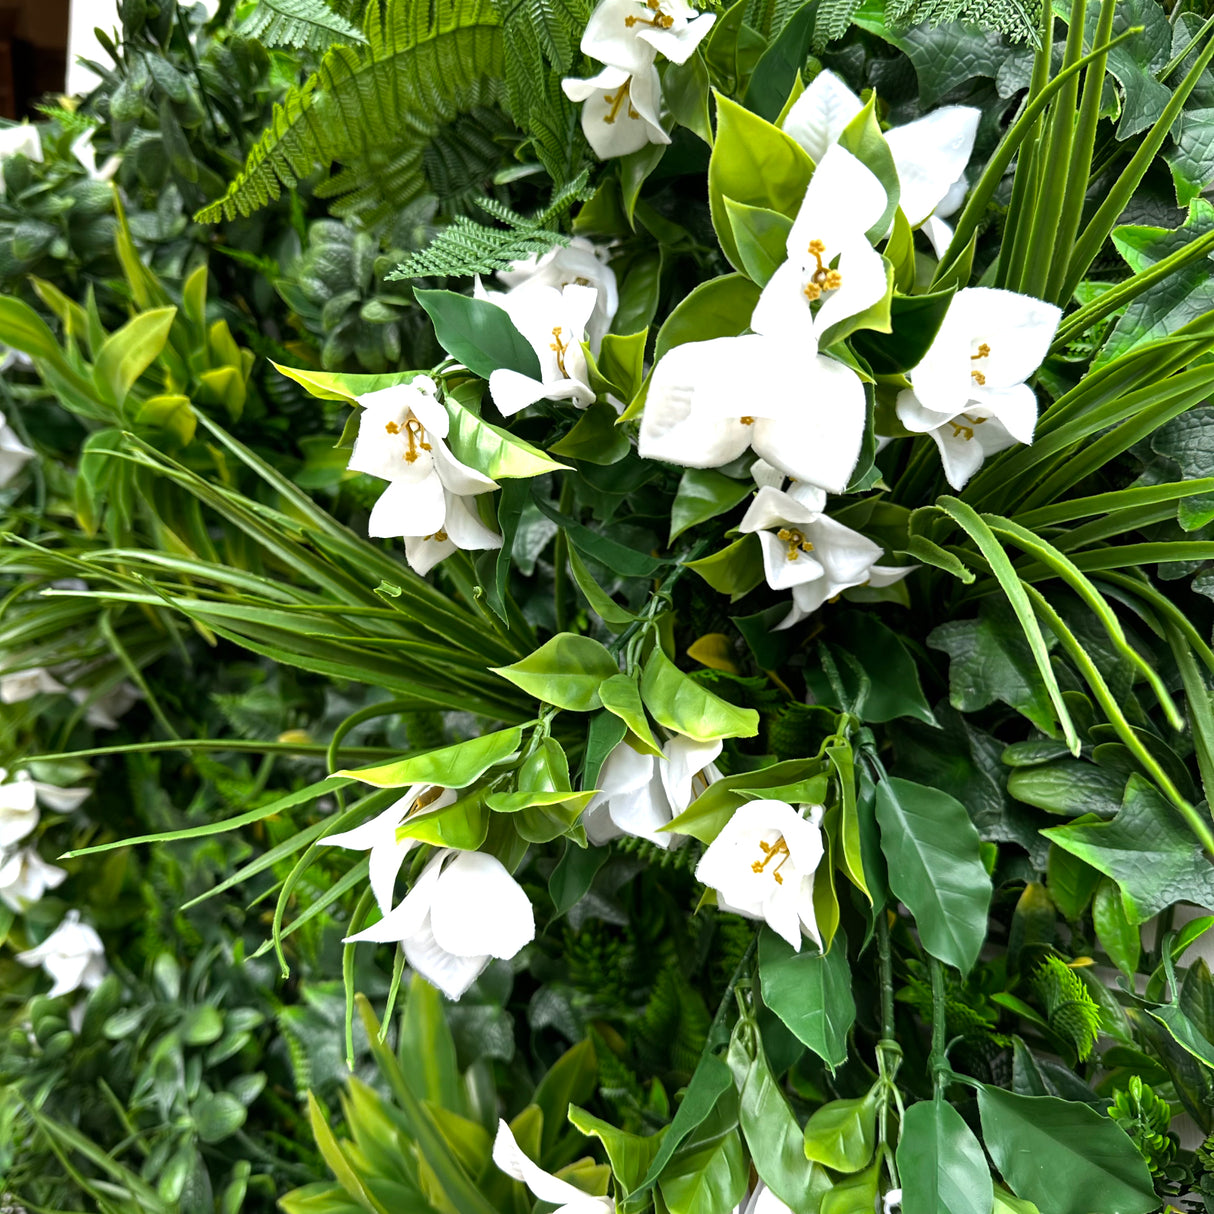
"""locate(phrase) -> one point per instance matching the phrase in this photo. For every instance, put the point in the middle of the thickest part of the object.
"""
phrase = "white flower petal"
(930, 154)
(409, 508)
(61, 800)
(509, 1157)
(459, 478)
(407, 918)
(783, 573)
(682, 760)
(821, 114)
(423, 552)
(464, 527)
(512, 391)
(479, 908)
(864, 283)
(610, 39)
(452, 974)
(1018, 328)
(772, 507)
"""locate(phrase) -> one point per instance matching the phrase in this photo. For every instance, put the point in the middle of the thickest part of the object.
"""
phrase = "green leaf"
(778, 72)
(571, 1079)
(1069, 787)
(941, 1164)
(1070, 881)
(707, 1181)
(810, 992)
(762, 238)
(935, 868)
(705, 817)
(894, 689)
(756, 164)
(492, 450)
(681, 704)
(218, 1116)
(842, 1134)
(595, 437)
(1189, 1018)
(601, 603)
(1065, 1157)
(23, 329)
(1192, 158)
(1117, 935)
(427, 1049)
(127, 354)
(621, 696)
(565, 671)
(448, 766)
(337, 385)
(630, 1154)
(573, 875)
(720, 307)
(1146, 849)
(915, 321)
(479, 334)
(704, 493)
(862, 137)
(735, 570)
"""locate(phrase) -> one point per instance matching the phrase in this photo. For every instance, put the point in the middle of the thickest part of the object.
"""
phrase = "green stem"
(560, 583)
(886, 970)
(938, 1059)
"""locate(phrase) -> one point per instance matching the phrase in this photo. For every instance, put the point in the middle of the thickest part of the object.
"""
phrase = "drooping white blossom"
(568, 1199)
(20, 797)
(621, 109)
(629, 33)
(930, 154)
(25, 684)
(72, 955)
(553, 321)
(969, 391)
(13, 452)
(25, 876)
(762, 866)
(428, 501)
(379, 837)
(579, 263)
(639, 793)
(463, 910)
(810, 554)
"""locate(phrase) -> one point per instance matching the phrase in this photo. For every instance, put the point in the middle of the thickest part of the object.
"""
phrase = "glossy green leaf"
(706, 816)
(337, 385)
(595, 437)
(565, 671)
(427, 1049)
(762, 238)
(621, 695)
(941, 1164)
(447, 767)
(704, 493)
(935, 868)
(129, 352)
(810, 992)
(478, 333)
(1069, 787)
(1065, 1157)
(720, 307)
(842, 1134)
(570, 1080)
(630, 1154)
(706, 1181)
(601, 603)
(492, 450)
(678, 702)
(1071, 882)
(1116, 934)
(735, 570)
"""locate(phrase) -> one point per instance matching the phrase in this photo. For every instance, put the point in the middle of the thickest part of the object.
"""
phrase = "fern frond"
(380, 105)
(832, 19)
(309, 25)
(1072, 1012)
(467, 248)
(1017, 19)
(769, 17)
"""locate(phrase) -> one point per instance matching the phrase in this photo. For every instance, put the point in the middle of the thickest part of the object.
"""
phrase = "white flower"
(19, 800)
(968, 392)
(378, 836)
(832, 271)
(72, 955)
(810, 554)
(568, 1199)
(464, 909)
(400, 439)
(581, 263)
(621, 111)
(762, 865)
(641, 793)
(802, 412)
(891, 1201)
(930, 154)
(25, 684)
(102, 711)
(13, 452)
(20, 140)
(553, 321)
(628, 33)
(86, 154)
(762, 1201)
(25, 876)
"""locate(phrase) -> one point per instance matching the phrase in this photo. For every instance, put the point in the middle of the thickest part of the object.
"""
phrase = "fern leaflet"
(305, 24)
(1018, 19)
(378, 108)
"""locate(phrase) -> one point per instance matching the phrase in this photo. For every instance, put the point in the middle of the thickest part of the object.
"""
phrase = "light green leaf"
(621, 696)
(630, 1154)
(337, 385)
(941, 1164)
(707, 1181)
(492, 450)
(127, 354)
(842, 1134)
(720, 307)
(762, 238)
(1117, 935)
(565, 671)
(935, 868)
(735, 570)
(704, 493)
(680, 703)
(447, 767)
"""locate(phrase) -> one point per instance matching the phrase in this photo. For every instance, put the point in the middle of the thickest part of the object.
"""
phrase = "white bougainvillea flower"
(969, 391)
(628, 33)
(25, 684)
(25, 876)
(400, 439)
(103, 711)
(579, 263)
(72, 955)
(621, 110)
(639, 794)
(13, 452)
(832, 271)
(930, 154)
(553, 320)
(568, 1199)
(20, 140)
(463, 910)
(20, 797)
(939, 233)
(378, 836)
(762, 865)
(708, 401)
(810, 554)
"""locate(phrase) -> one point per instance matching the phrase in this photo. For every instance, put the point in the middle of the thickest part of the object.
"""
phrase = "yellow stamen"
(796, 541)
(560, 347)
(980, 379)
(770, 852)
(963, 431)
(658, 21)
(618, 100)
(746, 420)
(823, 278)
(428, 797)
(440, 535)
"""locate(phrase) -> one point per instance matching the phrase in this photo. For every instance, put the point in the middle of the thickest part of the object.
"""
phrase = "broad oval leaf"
(941, 1164)
(842, 1134)
(492, 450)
(565, 671)
(478, 333)
(448, 766)
(681, 704)
(127, 354)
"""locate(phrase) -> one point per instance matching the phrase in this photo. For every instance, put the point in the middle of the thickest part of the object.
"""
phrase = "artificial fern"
(1071, 1011)
(376, 108)
(832, 19)
(305, 24)
(1017, 19)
